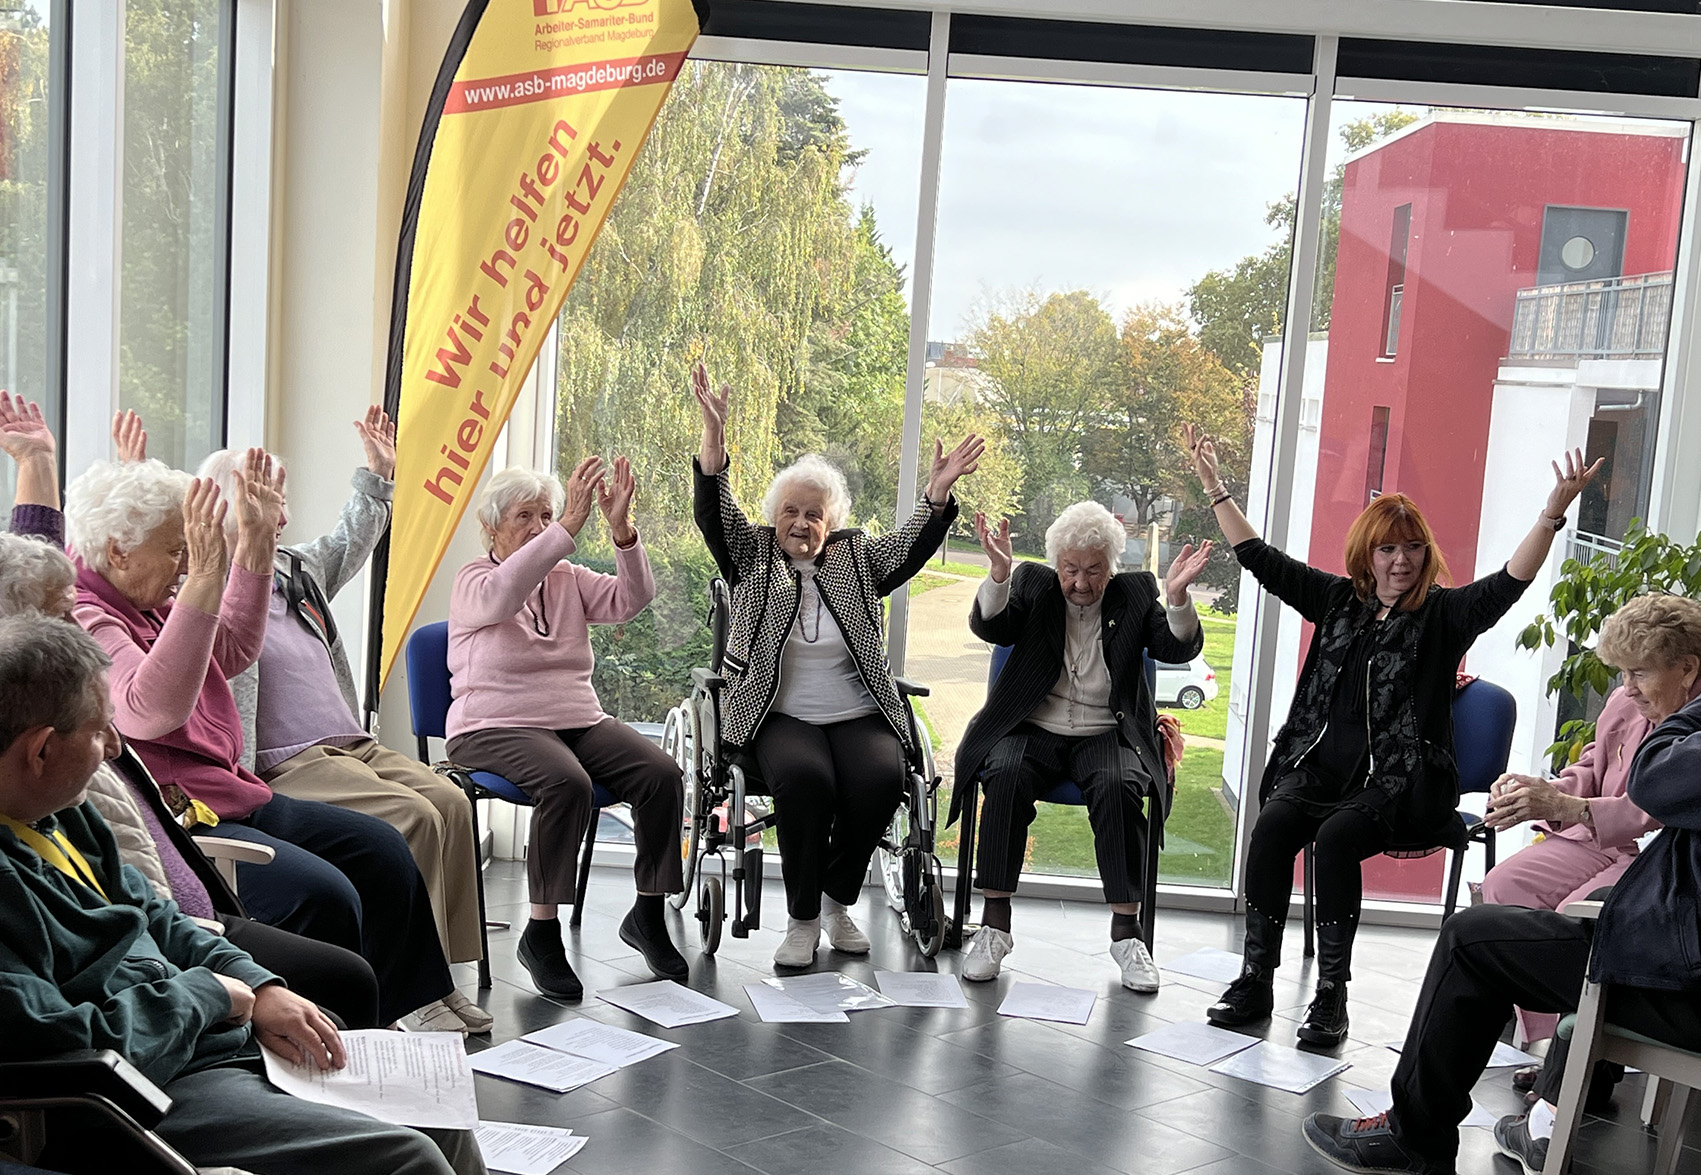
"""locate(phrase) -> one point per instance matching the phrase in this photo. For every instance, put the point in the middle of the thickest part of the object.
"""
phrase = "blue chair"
(1484, 715)
(1067, 792)
(429, 695)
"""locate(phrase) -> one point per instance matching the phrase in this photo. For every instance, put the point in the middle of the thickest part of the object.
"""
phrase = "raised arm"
(615, 599)
(341, 554)
(26, 439)
(897, 556)
(725, 529)
(1235, 526)
(1527, 560)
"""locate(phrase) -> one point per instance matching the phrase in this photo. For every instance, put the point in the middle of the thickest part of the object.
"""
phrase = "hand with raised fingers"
(583, 487)
(129, 438)
(1569, 482)
(1000, 556)
(204, 510)
(295, 1028)
(1184, 569)
(24, 434)
(1203, 451)
(614, 499)
(949, 466)
(714, 404)
(378, 434)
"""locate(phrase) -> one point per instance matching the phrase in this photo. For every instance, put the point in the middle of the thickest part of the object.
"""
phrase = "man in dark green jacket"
(91, 958)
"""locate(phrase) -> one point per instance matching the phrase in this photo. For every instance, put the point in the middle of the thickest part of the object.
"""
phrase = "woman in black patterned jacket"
(809, 694)
(1364, 763)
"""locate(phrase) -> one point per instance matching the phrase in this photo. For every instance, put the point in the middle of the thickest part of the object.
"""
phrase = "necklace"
(809, 589)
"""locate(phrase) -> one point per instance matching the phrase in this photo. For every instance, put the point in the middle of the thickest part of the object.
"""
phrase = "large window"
(1078, 332)
(174, 195)
(768, 229)
(1530, 261)
(27, 157)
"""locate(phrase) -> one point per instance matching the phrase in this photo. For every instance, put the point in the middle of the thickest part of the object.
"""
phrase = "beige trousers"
(431, 813)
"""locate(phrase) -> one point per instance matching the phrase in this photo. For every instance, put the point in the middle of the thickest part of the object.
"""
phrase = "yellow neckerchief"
(58, 852)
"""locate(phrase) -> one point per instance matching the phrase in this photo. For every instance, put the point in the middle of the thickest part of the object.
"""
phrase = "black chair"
(1067, 792)
(429, 695)
(80, 1096)
(1484, 715)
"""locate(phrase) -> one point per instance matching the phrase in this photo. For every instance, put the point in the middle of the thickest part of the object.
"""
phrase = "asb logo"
(560, 7)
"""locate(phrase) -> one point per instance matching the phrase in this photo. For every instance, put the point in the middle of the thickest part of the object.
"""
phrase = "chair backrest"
(1484, 715)
(1001, 654)
(428, 679)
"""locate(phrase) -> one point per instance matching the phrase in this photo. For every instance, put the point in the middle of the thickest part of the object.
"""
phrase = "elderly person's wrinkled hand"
(23, 430)
(949, 466)
(129, 438)
(614, 499)
(258, 506)
(1184, 569)
(1515, 799)
(205, 558)
(1000, 555)
(711, 453)
(294, 1028)
(1203, 451)
(583, 487)
(378, 435)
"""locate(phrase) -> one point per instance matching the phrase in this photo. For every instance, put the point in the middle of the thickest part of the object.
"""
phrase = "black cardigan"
(1414, 781)
(1035, 622)
(1649, 933)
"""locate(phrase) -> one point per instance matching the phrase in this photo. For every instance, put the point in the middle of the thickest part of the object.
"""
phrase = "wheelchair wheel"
(889, 858)
(690, 766)
(711, 912)
(934, 895)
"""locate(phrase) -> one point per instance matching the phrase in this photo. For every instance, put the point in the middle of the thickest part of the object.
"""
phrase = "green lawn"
(923, 582)
(1211, 719)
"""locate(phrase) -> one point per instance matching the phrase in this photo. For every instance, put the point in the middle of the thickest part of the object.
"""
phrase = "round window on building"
(1577, 253)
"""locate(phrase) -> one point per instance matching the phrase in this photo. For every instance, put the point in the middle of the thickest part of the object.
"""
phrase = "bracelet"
(1225, 496)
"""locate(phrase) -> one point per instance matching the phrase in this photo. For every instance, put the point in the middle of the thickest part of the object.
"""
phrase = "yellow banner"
(538, 112)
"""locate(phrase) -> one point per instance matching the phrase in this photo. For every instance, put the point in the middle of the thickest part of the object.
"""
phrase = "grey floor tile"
(826, 1150)
(622, 1142)
(1031, 1156)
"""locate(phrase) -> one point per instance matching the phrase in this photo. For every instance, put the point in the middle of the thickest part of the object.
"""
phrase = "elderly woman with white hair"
(1072, 703)
(524, 707)
(810, 699)
(179, 617)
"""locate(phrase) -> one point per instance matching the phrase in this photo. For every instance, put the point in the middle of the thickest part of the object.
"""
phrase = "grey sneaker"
(842, 934)
(798, 947)
(1512, 1136)
(1139, 973)
(986, 952)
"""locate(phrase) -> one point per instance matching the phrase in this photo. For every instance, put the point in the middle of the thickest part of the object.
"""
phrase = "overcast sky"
(1130, 194)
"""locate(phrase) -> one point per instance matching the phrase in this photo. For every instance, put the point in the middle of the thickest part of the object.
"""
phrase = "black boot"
(1325, 1024)
(1252, 997)
(543, 955)
(645, 931)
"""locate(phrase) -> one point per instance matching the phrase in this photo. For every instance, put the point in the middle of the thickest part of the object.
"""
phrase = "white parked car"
(1188, 686)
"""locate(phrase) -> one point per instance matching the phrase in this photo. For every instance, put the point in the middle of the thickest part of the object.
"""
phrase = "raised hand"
(259, 494)
(948, 467)
(996, 543)
(614, 499)
(1204, 455)
(1184, 569)
(1569, 482)
(714, 404)
(23, 430)
(378, 434)
(129, 438)
(203, 532)
(583, 488)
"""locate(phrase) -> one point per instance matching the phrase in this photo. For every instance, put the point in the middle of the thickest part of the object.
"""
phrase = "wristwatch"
(1554, 524)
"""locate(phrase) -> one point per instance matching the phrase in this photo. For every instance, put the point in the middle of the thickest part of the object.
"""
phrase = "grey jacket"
(331, 561)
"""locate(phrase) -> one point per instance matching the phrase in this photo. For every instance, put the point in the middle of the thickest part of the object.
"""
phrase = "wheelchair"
(727, 809)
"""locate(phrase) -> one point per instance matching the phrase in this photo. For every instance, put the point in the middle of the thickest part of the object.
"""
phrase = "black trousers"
(1345, 837)
(835, 788)
(1027, 763)
(338, 980)
(1487, 959)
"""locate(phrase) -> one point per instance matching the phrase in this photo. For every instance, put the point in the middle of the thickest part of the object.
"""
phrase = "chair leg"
(965, 861)
(1488, 848)
(1673, 1129)
(1455, 875)
(1579, 1067)
(1154, 847)
(483, 925)
(1656, 1096)
(584, 868)
(1309, 902)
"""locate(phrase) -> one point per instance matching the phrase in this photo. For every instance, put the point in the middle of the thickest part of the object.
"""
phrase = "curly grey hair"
(35, 576)
(1653, 631)
(512, 486)
(1086, 526)
(817, 472)
(48, 672)
(120, 504)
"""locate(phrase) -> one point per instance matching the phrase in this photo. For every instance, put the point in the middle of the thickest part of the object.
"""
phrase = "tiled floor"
(904, 1091)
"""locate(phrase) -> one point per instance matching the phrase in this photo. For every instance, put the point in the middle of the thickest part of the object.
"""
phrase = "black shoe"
(1512, 1136)
(1362, 1144)
(1248, 999)
(656, 947)
(1524, 1079)
(551, 973)
(1325, 1023)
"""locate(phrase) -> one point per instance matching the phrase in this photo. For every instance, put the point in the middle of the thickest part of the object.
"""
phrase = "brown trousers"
(431, 813)
(556, 769)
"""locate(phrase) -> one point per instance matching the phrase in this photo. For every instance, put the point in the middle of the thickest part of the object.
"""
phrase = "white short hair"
(817, 472)
(120, 504)
(511, 486)
(34, 575)
(1086, 526)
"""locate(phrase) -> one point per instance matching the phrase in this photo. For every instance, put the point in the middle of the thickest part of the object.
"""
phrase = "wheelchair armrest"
(911, 689)
(1588, 910)
(707, 679)
(86, 1073)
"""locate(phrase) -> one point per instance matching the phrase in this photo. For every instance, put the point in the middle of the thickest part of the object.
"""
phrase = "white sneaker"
(842, 933)
(1139, 973)
(798, 947)
(434, 1017)
(474, 1017)
(986, 954)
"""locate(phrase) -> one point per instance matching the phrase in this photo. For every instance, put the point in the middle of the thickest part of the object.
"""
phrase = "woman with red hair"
(1364, 763)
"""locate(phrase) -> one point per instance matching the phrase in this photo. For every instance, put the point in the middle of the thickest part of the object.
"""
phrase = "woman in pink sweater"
(524, 707)
(179, 617)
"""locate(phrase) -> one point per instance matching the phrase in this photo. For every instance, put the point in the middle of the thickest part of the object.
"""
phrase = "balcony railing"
(1624, 318)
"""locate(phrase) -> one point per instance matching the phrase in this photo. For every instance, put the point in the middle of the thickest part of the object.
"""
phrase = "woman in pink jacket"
(1587, 826)
(524, 708)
